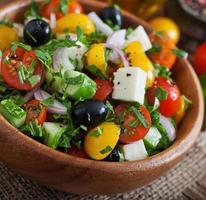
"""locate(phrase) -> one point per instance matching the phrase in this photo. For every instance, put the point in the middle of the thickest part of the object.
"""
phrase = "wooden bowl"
(70, 174)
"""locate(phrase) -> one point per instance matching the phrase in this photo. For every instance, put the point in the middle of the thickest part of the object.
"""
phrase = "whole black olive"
(89, 113)
(113, 14)
(37, 32)
(113, 156)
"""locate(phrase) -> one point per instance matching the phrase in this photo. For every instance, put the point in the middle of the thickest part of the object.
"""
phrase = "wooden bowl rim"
(179, 147)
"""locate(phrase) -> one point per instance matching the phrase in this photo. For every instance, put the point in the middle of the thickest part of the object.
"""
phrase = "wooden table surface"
(188, 193)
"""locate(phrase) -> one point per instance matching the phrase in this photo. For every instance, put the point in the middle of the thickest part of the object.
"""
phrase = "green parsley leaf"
(44, 57)
(78, 144)
(96, 132)
(6, 22)
(33, 11)
(48, 101)
(22, 73)
(187, 101)
(114, 27)
(155, 116)
(34, 129)
(33, 80)
(180, 53)
(94, 70)
(162, 71)
(161, 93)
(0, 54)
(134, 123)
(6, 60)
(64, 6)
(106, 150)
(83, 127)
(155, 49)
(81, 37)
(139, 116)
(14, 45)
(65, 142)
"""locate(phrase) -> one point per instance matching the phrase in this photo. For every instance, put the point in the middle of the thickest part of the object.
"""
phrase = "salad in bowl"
(82, 84)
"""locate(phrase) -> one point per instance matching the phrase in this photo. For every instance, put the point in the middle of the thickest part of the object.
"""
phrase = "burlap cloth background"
(185, 181)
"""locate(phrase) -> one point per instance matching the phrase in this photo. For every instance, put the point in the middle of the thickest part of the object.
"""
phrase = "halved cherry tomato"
(10, 64)
(74, 151)
(54, 7)
(129, 133)
(35, 111)
(171, 104)
(104, 89)
(165, 57)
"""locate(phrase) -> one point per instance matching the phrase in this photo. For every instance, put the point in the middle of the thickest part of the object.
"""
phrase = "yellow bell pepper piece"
(181, 112)
(7, 36)
(96, 57)
(100, 141)
(71, 21)
(138, 58)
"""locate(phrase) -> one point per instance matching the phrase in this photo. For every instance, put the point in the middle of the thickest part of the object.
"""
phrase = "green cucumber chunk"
(12, 112)
(79, 85)
(53, 134)
(152, 139)
(55, 82)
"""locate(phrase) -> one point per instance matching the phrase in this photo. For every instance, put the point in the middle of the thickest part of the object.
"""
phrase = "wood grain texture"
(70, 174)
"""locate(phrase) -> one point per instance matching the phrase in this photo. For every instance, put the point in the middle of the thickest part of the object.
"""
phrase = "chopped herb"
(83, 127)
(180, 53)
(78, 144)
(94, 69)
(134, 123)
(81, 37)
(187, 101)
(96, 37)
(139, 116)
(0, 54)
(48, 101)
(34, 129)
(106, 150)
(64, 6)
(129, 31)
(155, 49)
(109, 107)
(74, 62)
(6, 22)
(96, 132)
(65, 142)
(33, 11)
(6, 60)
(44, 57)
(14, 45)
(74, 80)
(33, 80)
(162, 71)
(155, 116)
(22, 74)
(161, 93)
(115, 27)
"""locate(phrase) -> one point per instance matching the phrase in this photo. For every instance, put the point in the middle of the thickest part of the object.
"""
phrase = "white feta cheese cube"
(129, 84)
(134, 151)
(140, 35)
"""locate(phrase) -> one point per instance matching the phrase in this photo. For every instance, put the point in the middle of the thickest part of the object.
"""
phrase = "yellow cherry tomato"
(7, 36)
(96, 57)
(100, 141)
(71, 21)
(167, 25)
(138, 58)
(181, 112)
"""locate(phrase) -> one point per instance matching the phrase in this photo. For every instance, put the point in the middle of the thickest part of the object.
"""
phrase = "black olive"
(113, 156)
(37, 32)
(89, 113)
(112, 14)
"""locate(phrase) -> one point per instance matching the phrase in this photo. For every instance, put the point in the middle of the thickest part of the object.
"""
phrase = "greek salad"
(85, 85)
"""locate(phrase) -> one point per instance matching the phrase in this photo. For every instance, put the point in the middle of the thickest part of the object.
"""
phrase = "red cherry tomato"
(200, 59)
(169, 106)
(35, 111)
(165, 57)
(54, 7)
(10, 64)
(74, 151)
(104, 89)
(129, 133)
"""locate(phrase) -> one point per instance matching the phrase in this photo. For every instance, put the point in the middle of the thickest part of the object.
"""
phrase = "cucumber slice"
(134, 151)
(79, 86)
(53, 134)
(152, 139)
(55, 82)
(12, 112)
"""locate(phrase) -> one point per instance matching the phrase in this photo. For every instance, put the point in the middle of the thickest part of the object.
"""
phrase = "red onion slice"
(120, 53)
(56, 108)
(100, 25)
(53, 20)
(30, 94)
(169, 127)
